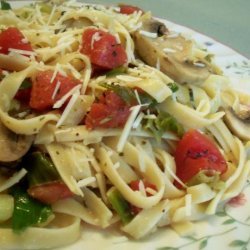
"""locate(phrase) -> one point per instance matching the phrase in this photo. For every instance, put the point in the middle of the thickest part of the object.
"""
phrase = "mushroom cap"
(240, 127)
(13, 63)
(172, 52)
(13, 146)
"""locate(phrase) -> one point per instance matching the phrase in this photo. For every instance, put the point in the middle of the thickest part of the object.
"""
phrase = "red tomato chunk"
(50, 192)
(44, 94)
(23, 95)
(196, 152)
(110, 111)
(102, 49)
(129, 9)
(12, 38)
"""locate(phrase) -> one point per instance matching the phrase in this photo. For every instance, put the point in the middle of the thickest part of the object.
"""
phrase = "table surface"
(227, 21)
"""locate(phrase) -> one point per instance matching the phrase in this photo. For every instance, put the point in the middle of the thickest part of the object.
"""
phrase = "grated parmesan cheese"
(13, 179)
(52, 14)
(85, 182)
(95, 38)
(58, 84)
(128, 78)
(198, 64)
(127, 128)
(60, 102)
(151, 191)
(138, 120)
(116, 165)
(24, 40)
(169, 50)
(148, 34)
(68, 109)
(137, 96)
(22, 52)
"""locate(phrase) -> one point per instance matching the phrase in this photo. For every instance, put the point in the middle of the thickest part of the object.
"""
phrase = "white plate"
(230, 227)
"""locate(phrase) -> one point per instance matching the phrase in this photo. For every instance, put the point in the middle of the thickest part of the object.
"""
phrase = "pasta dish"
(109, 118)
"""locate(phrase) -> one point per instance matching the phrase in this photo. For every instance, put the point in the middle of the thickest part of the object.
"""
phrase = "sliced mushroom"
(239, 126)
(13, 63)
(79, 23)
(172, 53)
(13, 146)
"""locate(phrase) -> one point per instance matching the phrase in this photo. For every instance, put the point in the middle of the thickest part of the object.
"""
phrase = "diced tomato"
(12, 38)
(109, 112)
(129, 9)
(102, 49)
(23, 95)
(43, 94)
(134, 185)
(51, 192)
(196, 152)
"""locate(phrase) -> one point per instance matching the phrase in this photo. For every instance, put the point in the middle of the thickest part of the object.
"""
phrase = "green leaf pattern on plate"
(227, 220)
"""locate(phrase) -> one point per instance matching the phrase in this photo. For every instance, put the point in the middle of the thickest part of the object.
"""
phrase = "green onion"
(164, 122)
(116, 71)
(128, 95)
(40, 169)
(26, 84)
(27, 211)
(5, 5)
(120, 205)
(173, 86)
(211, 178)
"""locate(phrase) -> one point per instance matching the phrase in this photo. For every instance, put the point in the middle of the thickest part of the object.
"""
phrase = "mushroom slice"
(13, 63)
(239, 126)
(80, 23)
(174, 54)
(13, 146)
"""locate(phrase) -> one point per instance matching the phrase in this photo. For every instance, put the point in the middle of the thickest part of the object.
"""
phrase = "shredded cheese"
(151, 191)
(60, 102)
(13, 179)
(138, 120)
(148, 34)
(128, 126)
(169, 50)
(58, 84)
(95, 38)
(126, 78)
(68, 109)
(22, 52)
(85, 182)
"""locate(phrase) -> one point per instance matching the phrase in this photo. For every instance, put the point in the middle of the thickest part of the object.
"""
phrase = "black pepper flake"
(77, 134)
(121, 154)
(57, 153)
(114, 53)
(197, 155)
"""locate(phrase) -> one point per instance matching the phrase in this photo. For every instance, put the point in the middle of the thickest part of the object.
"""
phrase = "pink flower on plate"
(237, 201)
